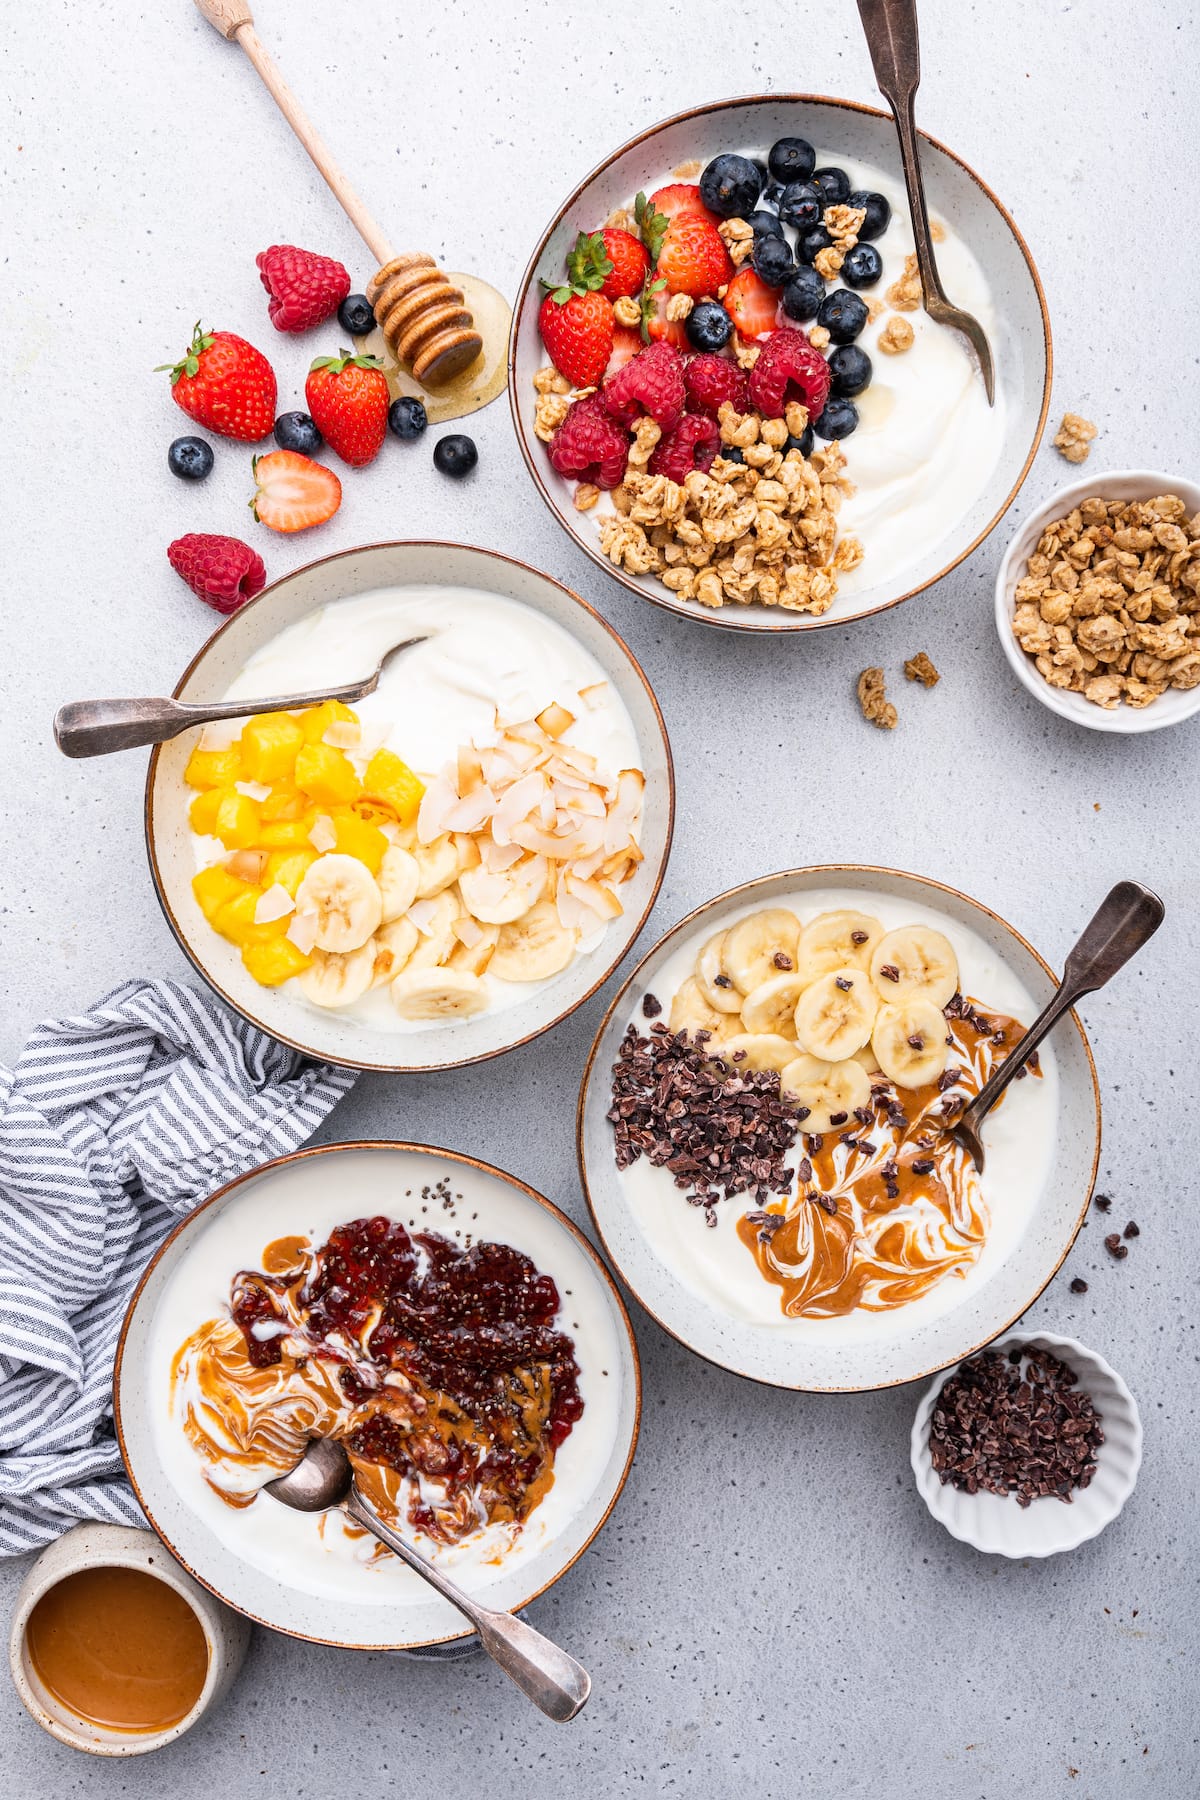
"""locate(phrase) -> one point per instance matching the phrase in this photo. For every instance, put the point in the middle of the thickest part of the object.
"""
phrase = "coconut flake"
(437, 802)
(303, 930)
(423, 912)
(344, 734)
(323, 835)
(276, 903)
(602, 900)
(472, 812)
(468, 931)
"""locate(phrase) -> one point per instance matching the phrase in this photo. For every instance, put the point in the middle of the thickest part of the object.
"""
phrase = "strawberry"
(693, 259)
(305, 289)
(752, 305)
(626, 343)
(656, 327)
(292, 492)
(225, 384)
(223, 571)
(348, 398)
(652, 225)
(577, 330)
(609, 262)
(681, 199)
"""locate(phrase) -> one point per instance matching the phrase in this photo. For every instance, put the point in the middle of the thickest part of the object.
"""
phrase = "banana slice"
(497, 897)
(920, 962)
(835, 1015)
(345, 896)
(771, 1006)
(394, 944)
(753, 944)
(758, 1050)
(712, 979)
(828, 1090)
(691, 1012)
(533, 947)
(836, 940)
(435, 926)
(476, 956)
(437, 864)
(333, 979)
(399, 878)
(867, 1057)
(910, 1042)
(438, 994)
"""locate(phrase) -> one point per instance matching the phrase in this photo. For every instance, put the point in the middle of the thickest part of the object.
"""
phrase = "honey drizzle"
(479, 384)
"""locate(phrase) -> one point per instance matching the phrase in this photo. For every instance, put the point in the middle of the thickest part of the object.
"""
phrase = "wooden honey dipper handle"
(422, 317)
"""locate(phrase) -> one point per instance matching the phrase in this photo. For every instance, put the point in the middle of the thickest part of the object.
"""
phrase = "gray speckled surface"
(770, 1610)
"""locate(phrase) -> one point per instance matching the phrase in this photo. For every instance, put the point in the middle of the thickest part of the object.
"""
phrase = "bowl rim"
(1088, 1360)
(739, 891)
(457, 1156)
(394, 1068)
(1123, 721)
(713, 616)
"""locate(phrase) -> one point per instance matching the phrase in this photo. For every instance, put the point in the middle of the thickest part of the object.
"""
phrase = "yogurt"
(1018, 1138)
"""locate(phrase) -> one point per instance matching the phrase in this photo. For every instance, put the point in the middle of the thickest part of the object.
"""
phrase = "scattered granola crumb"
(843, 223)
(828, 262)
(1074, 437)
(688, 171)
(937, 231)
(627, 312)
(905, 294)
(622, 220)
(548, 415)
(586, 496)
(896, 336)
(549, 381)
(920, 668)
(738, 239)
(818, 337)
(875, 307)
(679, 306)
(877, 709)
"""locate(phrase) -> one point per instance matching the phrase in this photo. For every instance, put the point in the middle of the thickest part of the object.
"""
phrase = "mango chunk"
(316, 721)
(269, 745)
(203, 811)
(235, 921)
(274, 962)
(237, 822)
(287, 834)
(389, 779)
(214, 768)
(358, 837)
(327, 775)
(215, 887)
(288, 868)
(284, 803)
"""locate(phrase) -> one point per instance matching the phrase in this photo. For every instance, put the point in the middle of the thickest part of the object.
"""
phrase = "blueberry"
(792, 159)
(878, 212)
(834, 184)
(356, 315)
(191, 458)
(771, 193)
(839, 418)
(772, 259)
(862, 266)
(455, 455)
(406, 417)
(801, 205)
(730, 186)
(850, 368)
(731, 453)
(803, 443)
(297, 431)
(809, 243)
(843, 315)
(708, 326)
(764, 224)
(803, 295)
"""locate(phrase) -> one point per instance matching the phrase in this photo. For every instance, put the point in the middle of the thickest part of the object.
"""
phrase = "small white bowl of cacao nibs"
(1029, 1447)
(1098, 601)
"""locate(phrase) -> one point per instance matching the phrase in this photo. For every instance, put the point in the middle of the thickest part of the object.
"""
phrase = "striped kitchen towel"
(113, 1125)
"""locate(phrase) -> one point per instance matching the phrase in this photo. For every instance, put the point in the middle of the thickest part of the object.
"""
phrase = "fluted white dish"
(996, 1524)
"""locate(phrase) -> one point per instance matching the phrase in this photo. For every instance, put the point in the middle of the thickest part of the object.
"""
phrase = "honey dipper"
(422, 316)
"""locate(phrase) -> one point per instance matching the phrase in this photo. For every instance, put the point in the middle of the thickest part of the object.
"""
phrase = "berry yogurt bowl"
(723, 382)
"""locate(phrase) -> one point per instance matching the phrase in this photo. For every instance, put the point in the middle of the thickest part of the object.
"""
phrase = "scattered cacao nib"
(1079, 1285)
(947, 1079)
(718, 1129)
(783, 961)
(1019, 1425)
(1102, 1203)
(651, 1006)
(826, 1202)
(1115, 1247)
(722, 981)
(1133, 1229)
(838, 1118)
(915, 1041)
(923, 1166)
(858, 937)
(841, 981)
(889, 971)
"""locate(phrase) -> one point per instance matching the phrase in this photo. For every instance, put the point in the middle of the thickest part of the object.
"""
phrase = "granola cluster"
(877, 709)
(1074, 437)
(1109, 606)
(762, 530)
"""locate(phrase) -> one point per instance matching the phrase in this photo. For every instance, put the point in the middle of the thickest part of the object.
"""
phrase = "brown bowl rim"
(714, 617)
(463, 1062)
(457, 1156)
(690, 919)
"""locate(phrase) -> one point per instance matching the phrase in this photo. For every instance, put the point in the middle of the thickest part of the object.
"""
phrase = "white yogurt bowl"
(994, 1523)
(865, 140)
(1170, 708)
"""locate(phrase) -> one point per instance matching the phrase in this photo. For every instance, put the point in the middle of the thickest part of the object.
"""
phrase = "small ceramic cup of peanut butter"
(114, 1649)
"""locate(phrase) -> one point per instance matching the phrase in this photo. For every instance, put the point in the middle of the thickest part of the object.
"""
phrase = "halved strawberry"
(693, 259)
(751, 304)
(627, 341)
(680, 199)
(660, 329)
(292, 492)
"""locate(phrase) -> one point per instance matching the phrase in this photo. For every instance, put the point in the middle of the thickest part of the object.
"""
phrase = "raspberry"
(222, 570)
(786, 358)
(711, 380)
(651, 382)
(692, 445)
(590, 445)
(305, 289)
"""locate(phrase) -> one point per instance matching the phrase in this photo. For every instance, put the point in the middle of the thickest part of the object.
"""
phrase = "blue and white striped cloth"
(113, 1125)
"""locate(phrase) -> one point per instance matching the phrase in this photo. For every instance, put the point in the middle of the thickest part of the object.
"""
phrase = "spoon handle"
(98, 727)
(1127, 918)
(892, 39)
(554, 1681)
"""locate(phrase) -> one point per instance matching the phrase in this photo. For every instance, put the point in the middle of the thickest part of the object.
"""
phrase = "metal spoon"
(1128, 917)
(97, 727)
(554, 1681)
(891, 28)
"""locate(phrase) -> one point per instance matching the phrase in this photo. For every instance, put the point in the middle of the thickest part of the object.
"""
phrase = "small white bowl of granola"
(1098, 601)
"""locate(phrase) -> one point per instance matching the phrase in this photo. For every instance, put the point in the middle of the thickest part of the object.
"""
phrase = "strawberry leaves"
(588, 268)
(652, 226)
(190, 364)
